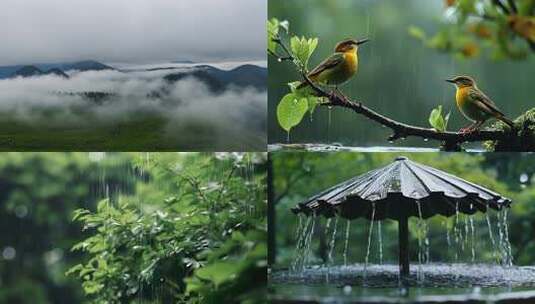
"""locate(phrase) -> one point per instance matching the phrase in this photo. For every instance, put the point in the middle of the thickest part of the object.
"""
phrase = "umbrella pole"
(403, 246)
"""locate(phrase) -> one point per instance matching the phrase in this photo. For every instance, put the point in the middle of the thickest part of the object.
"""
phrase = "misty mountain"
(218, 80)
(183, 61)
(56, 68)
(27, 71)
(32, 71)
(88, 65)
(57, 72)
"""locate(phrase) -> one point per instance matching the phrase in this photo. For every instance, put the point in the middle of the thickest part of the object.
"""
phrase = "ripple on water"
(436, 275)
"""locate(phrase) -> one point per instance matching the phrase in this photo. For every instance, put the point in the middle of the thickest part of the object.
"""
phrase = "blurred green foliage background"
(146, 227)
(297, 176)
(399, 76)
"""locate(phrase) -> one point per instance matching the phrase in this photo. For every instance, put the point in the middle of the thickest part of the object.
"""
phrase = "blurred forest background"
(415, 45)
(297, 176)
(132, 227)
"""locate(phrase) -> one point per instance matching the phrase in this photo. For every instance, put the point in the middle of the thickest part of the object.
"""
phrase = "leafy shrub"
(202, 240)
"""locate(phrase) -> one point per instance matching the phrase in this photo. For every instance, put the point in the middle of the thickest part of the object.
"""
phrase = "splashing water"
(308, 252)
(331, 249)
(300, 246)
(491, 236)
(380, 241)
(329, 123)
(346, 244)
(420, 232)
(448, 238)
(473, 240)
(509, 254)
(333, 239)
(456, 233)
(370, 230)
(460, 236)
(503, 241)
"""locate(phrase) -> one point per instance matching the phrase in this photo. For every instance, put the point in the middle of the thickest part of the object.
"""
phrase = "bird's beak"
(450, 80)
(362, 41)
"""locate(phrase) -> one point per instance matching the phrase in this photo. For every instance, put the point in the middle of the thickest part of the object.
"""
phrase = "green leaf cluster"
(203, 236)
(235, 271)
(294, 105)
(273, 27)
(39, 193)
(302, 48)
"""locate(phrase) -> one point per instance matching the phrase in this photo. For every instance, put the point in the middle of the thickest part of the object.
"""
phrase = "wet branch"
(451, 140)
(502, 6)
(402, 130)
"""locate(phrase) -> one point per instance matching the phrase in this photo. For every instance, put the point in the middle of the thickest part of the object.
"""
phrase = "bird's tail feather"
(507, 121)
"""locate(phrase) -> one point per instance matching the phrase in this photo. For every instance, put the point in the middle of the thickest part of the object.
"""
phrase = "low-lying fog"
(237, 114)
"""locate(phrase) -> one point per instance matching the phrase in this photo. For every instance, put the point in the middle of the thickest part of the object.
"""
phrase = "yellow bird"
(340, 66)
(474, 104)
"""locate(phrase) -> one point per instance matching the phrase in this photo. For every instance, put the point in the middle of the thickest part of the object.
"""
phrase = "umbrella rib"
(483, 189)
(380, 177)
(313, 202)
(330, 189)
(418, 178)
(450, 183)
(369, 176)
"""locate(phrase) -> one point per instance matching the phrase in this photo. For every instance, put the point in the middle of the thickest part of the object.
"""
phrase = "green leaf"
(302, 48)
(102, 205)
(313, 101)
(285, 25)
(291, 110)
(437, 121)
(416, 32)
(78, 213)
(219, 272)
(293, 86)
(312, 45)
(466, 6)
(76, 268)
(273, 31)
(91, 287)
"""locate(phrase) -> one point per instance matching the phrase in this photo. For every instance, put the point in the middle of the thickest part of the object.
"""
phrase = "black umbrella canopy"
(402, 189)
(398, 191)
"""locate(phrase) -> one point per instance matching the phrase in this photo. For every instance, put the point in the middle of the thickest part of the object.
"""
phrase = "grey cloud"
(131, 30)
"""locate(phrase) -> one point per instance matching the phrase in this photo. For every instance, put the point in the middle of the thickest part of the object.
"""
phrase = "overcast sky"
(35, 31)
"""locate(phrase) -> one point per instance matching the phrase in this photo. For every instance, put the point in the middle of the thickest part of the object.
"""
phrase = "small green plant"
(439, 121)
